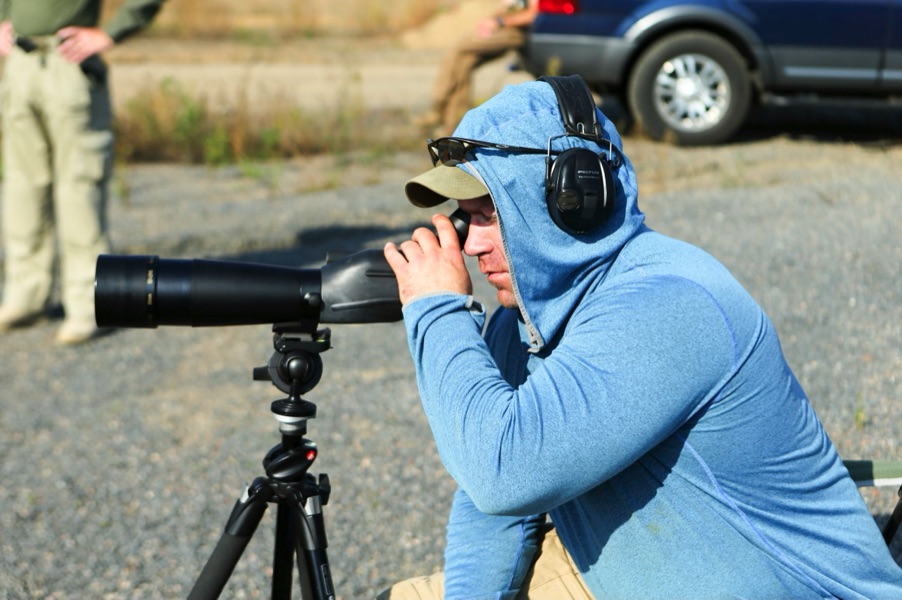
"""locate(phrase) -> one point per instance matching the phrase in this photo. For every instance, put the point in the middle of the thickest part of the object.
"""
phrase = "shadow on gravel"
(316, 246)
(824, 122)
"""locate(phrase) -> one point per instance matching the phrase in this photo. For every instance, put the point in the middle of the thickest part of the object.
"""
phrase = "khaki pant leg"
(453, 87)
(553, 576)
(79, 119)
(27, 214)
(431, 587)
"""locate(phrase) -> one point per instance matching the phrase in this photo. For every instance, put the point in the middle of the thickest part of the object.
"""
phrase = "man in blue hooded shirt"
(628, 389)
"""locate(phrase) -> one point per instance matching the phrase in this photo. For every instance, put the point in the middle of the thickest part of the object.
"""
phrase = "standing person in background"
(57, 153)
(495, 35)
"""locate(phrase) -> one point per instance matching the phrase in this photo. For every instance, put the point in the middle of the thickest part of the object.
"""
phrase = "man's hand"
(6, 37)
(487, 27)
(81, 42)
(427, 264)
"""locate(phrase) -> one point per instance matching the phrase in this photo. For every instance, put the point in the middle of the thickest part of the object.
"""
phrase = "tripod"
(295, 368)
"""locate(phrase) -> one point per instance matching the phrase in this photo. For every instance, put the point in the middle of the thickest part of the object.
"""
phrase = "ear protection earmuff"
(579, 184)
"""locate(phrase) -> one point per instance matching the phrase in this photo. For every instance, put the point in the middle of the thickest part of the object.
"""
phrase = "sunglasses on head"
(450, 151)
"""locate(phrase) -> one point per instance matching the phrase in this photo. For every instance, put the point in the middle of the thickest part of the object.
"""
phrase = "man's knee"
(553, 576)
(416, 588)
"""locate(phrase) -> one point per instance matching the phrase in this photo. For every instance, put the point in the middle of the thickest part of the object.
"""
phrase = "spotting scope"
(147, 291)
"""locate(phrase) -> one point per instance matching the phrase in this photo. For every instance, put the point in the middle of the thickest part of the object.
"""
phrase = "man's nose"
(477, 241)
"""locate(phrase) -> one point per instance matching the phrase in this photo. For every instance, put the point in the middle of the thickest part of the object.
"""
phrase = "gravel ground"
(121, 459)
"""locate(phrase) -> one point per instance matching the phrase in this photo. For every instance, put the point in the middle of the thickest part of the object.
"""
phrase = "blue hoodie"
(639, 397)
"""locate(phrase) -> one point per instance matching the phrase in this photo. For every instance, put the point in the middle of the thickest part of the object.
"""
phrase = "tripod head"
(295, 368)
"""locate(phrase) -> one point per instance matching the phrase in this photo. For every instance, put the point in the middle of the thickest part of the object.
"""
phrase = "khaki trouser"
(553, 577)
(452, 95)
(57, 160)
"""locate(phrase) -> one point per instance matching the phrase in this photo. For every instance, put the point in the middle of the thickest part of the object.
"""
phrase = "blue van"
(688, 72)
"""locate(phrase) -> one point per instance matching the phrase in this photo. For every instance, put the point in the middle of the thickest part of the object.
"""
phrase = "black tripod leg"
(240, 528)
(283, 553)
(892, 526)
(312, 546)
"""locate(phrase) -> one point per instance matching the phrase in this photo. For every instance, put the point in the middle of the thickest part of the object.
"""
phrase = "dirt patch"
(280, 19)
(379, 72)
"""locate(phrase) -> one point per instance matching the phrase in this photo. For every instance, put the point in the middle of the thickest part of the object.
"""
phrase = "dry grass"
(165, 123)
(200, 19)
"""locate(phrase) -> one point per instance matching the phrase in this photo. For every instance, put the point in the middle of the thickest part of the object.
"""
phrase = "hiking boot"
(14, 318)
(78, 331)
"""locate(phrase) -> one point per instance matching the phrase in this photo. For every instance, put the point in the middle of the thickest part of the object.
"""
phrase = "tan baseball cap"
(443, 183)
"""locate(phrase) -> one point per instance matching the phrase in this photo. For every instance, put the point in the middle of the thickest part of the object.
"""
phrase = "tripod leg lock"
(249, 509)
(325, 488)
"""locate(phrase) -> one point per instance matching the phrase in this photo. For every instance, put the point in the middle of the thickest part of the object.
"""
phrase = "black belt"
(92, 66)
(26, 44)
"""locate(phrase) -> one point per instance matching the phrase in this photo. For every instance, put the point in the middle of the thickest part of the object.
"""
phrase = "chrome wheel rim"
(692, 92)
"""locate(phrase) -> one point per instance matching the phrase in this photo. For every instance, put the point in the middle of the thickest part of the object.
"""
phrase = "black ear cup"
(579, 191)
(579, 185)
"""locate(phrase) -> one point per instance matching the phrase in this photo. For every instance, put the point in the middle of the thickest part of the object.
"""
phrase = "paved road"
(121, 459)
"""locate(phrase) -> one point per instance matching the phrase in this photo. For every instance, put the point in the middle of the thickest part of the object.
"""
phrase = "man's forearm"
(131, 17)
(520, 18)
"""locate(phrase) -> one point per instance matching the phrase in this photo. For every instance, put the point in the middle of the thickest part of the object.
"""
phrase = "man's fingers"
(78, 43)
(423, 266)
(393, 255)
(447, 234)
(421, 240)
(425, 239)
(411, 249)
(70, 47)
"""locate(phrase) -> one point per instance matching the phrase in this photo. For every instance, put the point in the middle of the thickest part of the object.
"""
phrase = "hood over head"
(551, 269)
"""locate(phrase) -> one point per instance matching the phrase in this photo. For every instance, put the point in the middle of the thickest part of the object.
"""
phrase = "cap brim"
(443, 183)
